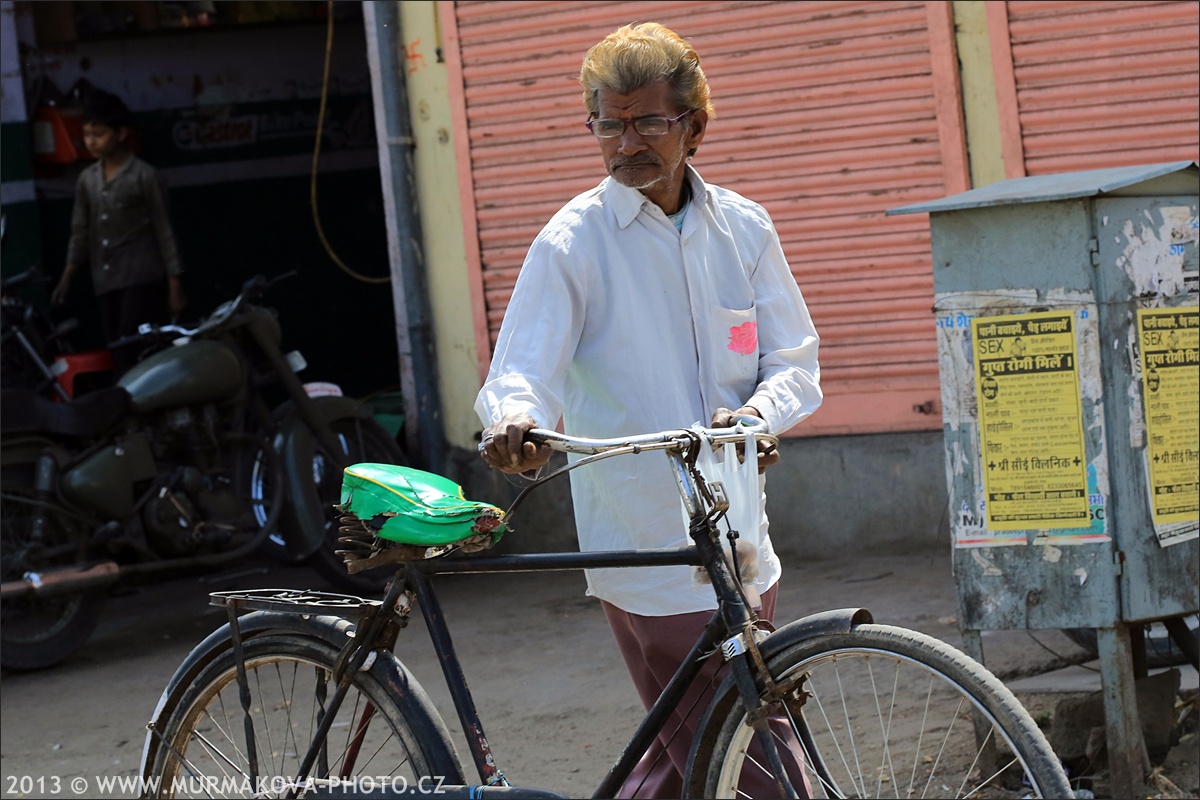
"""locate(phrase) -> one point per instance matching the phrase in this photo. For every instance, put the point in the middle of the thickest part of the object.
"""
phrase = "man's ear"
(696, 127)
(122, 133)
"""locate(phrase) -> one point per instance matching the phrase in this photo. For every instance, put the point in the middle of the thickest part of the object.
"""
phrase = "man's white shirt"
(622, 325)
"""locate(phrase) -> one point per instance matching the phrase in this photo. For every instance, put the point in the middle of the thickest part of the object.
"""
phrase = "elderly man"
(653, 301)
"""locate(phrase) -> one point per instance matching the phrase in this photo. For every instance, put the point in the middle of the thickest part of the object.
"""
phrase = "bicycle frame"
(731, 628)
(418, 578)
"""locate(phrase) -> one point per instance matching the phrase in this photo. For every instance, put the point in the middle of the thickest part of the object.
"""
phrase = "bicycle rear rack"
(295, 601)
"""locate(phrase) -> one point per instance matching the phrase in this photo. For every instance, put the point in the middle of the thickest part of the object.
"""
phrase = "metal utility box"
(1068, 338)
(1049, 293)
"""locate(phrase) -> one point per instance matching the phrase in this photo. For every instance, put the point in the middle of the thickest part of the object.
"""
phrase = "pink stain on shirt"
(744, 338)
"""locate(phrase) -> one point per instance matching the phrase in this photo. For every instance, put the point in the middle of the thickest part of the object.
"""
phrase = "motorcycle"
(33, 349)
(184, 464)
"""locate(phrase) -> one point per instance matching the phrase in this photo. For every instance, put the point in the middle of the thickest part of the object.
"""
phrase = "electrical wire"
(1060, 656)
(317, 157)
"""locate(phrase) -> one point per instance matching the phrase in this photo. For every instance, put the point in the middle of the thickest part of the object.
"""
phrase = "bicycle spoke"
(834, 740)
(975, 763)
(916, 756)
(227, 733)
(886, 767)
(810, 757)
(995, 775)
(213, 750)
(904, 698)
(192, 769)
(379, 750)
(265, 727)
(942, 749)
(837, 672)
(291, 693)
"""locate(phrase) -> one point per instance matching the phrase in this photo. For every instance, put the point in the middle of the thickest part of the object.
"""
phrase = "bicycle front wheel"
(887, 712)
(377, 741)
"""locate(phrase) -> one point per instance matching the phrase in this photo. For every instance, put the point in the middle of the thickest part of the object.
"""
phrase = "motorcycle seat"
(413, 507)
(26, 411)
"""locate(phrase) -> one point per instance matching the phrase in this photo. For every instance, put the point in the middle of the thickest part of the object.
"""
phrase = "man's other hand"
(768, 453)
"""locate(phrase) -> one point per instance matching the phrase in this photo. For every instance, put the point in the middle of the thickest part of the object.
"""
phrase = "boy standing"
(121, 229)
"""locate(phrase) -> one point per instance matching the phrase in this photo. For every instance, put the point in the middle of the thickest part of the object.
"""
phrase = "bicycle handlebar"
(663, 440)
(680, 445)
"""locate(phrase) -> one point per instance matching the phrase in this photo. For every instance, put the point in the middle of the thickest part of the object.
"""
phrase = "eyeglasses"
(645, 126)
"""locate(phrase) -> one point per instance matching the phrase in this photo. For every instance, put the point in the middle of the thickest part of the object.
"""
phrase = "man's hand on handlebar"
(503, 446)
(768, 453)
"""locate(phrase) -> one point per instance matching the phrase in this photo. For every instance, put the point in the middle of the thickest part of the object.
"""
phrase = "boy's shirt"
(121, 228)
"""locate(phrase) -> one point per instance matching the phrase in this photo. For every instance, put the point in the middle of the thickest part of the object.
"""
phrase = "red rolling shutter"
(1094, 85)
(827, 114)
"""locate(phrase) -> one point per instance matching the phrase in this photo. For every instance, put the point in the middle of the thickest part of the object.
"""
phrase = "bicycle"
(303, 695)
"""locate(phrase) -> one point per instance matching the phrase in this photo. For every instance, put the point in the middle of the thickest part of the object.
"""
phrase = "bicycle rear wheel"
(887, 712)
(378, 739)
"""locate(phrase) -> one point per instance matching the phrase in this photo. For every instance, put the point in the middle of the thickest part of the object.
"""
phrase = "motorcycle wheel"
(363, 441)
(36, 633)
(1161, 650)
(251, 483)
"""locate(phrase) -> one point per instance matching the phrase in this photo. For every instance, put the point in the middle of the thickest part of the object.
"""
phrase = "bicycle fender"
(296, 443)
(332, 630)
(838, 620)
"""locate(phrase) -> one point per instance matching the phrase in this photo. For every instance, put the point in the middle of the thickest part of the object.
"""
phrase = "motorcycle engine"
(187, 428)
(195, 510)
(178, 420)
(171, 519)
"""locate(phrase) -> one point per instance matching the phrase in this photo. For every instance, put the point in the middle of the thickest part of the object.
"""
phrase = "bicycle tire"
(906, 704)
(378, 737)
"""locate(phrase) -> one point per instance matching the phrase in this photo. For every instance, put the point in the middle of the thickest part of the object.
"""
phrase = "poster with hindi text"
(1030, 422)
(1169, 343)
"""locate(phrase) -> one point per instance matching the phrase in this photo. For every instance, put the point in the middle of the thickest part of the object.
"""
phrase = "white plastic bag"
(740, 481)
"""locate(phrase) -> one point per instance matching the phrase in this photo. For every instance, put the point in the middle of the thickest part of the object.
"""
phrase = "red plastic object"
(57, 136)
(80, 364)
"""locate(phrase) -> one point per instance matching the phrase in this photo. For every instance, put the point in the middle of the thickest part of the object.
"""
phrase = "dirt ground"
(554, 697)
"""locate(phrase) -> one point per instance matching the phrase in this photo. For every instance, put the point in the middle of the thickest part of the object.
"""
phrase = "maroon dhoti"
(653, 649)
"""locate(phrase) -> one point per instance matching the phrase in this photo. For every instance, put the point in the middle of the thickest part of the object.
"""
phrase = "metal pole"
(1128, 762)
(410, 286)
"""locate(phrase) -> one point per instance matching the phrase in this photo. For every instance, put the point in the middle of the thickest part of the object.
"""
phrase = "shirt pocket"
(735, 347)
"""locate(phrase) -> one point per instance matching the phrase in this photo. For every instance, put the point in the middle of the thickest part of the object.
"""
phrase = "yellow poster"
(1030, 421)
(1169, 341)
